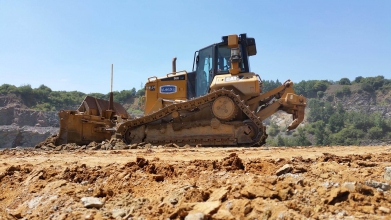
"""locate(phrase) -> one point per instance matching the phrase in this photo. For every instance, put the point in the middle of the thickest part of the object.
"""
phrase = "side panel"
(172, 87)
(151, 95)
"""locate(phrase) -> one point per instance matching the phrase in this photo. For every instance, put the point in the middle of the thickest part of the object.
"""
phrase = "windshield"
(223, 60)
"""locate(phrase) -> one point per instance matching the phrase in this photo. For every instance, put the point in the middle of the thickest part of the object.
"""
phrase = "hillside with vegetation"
(339, 113)
(344, 112)
(45, 99)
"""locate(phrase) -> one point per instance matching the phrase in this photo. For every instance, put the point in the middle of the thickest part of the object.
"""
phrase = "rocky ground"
(166, 182)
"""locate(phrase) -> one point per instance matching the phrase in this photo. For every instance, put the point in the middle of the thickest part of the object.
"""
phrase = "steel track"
(192, 104)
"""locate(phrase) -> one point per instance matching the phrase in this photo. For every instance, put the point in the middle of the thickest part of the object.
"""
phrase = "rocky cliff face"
(21, 127)
(367, 102)
(26, 136)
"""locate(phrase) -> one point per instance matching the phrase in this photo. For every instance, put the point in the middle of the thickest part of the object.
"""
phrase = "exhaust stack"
(174, 65)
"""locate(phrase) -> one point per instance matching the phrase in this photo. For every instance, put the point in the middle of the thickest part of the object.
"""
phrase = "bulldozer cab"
(216, 59)
(208, 63)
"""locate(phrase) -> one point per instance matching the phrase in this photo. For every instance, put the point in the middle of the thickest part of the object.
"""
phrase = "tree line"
(44, 99)
(316, 88)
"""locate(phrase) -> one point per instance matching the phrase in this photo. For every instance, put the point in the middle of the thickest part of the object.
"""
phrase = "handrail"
(173, 74)
(151, 78)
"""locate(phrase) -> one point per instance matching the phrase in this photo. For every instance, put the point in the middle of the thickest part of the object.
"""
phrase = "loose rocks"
(387, 173)
(285, 169)
(92, 202)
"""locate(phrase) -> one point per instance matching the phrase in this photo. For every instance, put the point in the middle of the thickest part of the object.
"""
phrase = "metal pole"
(111, 101)
(112, 69)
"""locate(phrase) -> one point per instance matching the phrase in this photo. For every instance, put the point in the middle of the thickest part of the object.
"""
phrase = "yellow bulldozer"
(219, 103)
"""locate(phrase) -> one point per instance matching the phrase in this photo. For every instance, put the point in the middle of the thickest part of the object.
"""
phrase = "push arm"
(281, 98)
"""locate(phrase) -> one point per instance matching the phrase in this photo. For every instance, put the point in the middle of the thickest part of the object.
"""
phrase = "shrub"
(320, 94)
(346, 91)
(375, 133)
(339, 93)
(273, 129)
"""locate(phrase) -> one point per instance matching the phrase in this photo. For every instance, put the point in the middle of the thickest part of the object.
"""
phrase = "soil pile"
(196, 183)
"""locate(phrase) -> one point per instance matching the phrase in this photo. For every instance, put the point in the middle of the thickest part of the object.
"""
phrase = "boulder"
(195, 216)
(223, 215)
(218, 194)
(351, 186)
(92, 202)
(206, 207)
(387, 173)
(378, 185)
(284, 169)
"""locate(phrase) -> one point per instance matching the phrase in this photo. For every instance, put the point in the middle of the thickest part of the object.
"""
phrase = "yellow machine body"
(160, 92)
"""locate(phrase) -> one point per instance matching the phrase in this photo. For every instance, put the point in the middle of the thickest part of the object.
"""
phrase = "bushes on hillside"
(332, 125)
(44, 99)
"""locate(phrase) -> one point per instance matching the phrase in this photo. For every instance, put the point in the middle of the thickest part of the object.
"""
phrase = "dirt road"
(197, 183)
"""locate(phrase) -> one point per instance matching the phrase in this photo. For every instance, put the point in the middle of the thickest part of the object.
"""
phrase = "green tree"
(320, 132)
(319, 110)
(379, 121)
(100, 96)
(320, 94)
(26, 93)
(300, 88)
(280, 141)
(339, 93)
(346, 90)
(347, 136)
(133, 91)
(336, 122)
(359, 120)
(344, 81)
(140, 92)
(375, 133)
(7, 89)
(321, 86)
(371, 84)
(270, 84)
(358, 79)
(273, 129)
(302, 139)
(42, 93)
(310, 88)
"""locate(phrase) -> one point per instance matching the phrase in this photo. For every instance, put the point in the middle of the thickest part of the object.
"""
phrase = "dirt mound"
(232, 162)
(179, 184)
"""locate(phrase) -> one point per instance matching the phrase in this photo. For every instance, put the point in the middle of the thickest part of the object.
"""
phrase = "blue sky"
(70, 45)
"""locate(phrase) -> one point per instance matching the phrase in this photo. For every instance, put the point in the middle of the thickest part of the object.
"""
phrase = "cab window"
(204, 71)
(223, 60)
